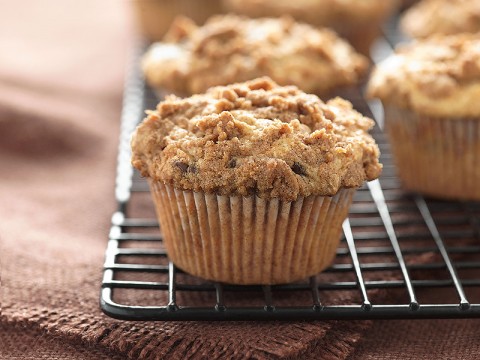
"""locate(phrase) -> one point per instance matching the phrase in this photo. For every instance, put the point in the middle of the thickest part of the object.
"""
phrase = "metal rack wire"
(402, 256)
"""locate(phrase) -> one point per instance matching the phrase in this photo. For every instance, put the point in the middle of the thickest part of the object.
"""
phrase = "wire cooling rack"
(402, 256)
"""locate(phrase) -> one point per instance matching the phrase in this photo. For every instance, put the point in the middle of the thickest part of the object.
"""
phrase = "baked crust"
(439, 76)
(256, 138)
(230, 49)
(445, 17)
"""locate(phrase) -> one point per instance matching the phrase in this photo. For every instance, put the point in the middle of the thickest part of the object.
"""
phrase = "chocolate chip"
(185, 168)
(182, 166)
(232, 163)
(298, 169)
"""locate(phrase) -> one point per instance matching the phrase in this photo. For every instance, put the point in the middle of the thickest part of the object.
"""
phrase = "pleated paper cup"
(438, 157)
(249, 240)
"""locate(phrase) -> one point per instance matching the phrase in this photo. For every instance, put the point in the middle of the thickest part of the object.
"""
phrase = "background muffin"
(229, 49)
(154, 17)
(253, 181)
(431, 90)
(356, 20)
(445, 17)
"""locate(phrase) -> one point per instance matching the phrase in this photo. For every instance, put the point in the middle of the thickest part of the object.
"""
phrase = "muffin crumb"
(230, 49)
(438, 76)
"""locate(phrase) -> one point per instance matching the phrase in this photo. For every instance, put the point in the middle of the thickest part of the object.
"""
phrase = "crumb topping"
(230, 49)
(445, 17)
(256, 138)
(436, 76)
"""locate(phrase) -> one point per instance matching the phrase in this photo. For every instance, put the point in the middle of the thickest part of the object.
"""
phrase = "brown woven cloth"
(61, 79)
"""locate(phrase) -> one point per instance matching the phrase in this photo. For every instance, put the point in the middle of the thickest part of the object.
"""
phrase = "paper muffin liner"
(438, 157)
(249, 240)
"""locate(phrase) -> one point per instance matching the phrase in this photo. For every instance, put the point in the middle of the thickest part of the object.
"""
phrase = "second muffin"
(252, 181)
(230, 49)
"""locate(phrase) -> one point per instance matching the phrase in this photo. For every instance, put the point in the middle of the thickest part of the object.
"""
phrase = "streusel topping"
(439, 76)
(230, 49)
(256, 138)
(445, 17)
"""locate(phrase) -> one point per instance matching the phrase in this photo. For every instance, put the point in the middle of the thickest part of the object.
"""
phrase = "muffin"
(230, 49)
(154, 17)
(252, 181)
(358, 21)
(431, 90)
(446, 17)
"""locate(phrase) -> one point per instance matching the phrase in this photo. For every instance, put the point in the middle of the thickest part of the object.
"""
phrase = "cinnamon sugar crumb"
(231, 48)
(438, 76)
(274, 141)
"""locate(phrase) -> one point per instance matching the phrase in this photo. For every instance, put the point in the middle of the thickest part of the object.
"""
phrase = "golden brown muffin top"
(230, 49)
(445, 17)
(439, 76)
(318, 12)
(256, 138)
